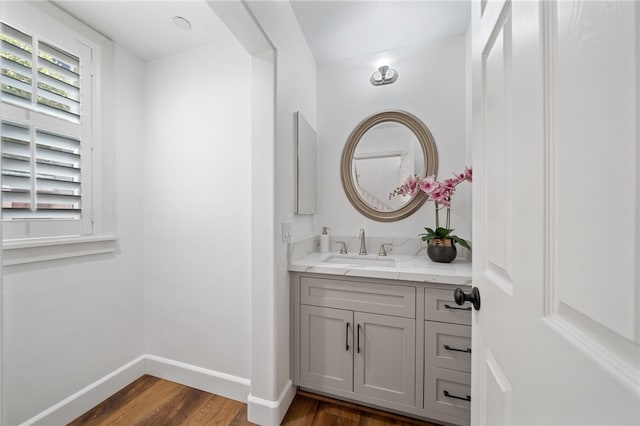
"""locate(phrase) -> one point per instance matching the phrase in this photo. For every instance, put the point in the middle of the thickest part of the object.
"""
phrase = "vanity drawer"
(440, 306)
(447, 391)
(397, 300)
(447, 345)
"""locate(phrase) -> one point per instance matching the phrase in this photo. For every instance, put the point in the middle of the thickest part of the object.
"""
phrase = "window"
(47, 130)
(57, 128)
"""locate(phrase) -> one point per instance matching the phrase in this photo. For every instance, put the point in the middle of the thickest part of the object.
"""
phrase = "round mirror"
(380, 154)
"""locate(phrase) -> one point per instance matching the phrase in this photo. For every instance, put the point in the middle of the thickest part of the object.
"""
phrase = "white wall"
(68, 323)
(431, 85)
(295, 91)
(197, 208)
(179, 284)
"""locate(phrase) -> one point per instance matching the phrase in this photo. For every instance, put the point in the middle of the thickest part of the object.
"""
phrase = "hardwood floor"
(150, 401)
(318, 410)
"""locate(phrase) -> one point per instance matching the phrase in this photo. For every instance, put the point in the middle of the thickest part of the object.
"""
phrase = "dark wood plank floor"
(151, 401)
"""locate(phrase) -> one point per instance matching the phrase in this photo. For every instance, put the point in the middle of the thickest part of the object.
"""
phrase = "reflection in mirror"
(306, 186)
(382, 151)
(387, 154)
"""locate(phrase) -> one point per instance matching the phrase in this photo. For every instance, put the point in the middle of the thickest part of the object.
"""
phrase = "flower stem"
(437, 215)
(448, 218)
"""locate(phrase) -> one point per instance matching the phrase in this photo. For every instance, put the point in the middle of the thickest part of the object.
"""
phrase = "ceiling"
(333, 29)
(146, 28)
(343, 29)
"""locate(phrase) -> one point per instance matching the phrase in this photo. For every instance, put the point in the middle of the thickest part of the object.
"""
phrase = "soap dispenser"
(324, 240)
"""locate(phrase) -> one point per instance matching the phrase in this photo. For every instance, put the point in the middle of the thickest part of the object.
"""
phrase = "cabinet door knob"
(358, 345)
(473, 296)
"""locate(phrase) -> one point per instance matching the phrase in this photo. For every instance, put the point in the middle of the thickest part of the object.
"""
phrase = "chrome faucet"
(382, 251)
(363, 243)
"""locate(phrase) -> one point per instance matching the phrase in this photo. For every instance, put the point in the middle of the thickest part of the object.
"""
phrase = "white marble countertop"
(406, 268)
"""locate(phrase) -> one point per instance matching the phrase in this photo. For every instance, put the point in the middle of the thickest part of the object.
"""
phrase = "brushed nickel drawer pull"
(447, 394)
(449, 348)
(468, 308)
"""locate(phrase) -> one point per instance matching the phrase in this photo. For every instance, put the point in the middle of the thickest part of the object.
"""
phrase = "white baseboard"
(70, 408)
(232, 387)
(270, 413)
(80, 402)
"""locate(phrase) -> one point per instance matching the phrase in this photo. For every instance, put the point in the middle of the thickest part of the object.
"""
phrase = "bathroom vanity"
(383, 331)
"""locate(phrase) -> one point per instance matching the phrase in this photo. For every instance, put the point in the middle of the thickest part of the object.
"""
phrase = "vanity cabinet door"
(384, 357)
(326, 349)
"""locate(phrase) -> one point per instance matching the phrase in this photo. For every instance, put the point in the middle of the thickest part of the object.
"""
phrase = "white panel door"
(556, 213)
(384, 359)
(326, 350)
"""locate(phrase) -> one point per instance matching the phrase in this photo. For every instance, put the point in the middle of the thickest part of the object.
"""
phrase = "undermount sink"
(360, 261)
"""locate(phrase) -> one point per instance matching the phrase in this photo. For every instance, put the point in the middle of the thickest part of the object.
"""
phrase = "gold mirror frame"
(429, 151)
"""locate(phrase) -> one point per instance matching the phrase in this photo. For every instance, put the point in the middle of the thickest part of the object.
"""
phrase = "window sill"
(17, 252)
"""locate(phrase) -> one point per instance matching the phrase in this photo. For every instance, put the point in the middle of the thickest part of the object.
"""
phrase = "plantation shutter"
(16, 170)
(58, 82)
(17, 83)
(44, 159)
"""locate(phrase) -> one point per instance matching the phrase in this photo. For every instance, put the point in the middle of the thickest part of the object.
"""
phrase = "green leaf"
(430, 233)
(442, 232)
(460, 241)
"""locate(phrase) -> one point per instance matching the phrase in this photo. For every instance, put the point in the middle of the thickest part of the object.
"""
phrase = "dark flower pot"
(442, 250)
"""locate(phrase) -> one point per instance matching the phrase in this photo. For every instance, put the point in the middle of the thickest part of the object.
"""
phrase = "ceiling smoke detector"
(182, 23)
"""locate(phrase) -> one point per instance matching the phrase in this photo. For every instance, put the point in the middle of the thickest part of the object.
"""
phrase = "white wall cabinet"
(396, 345)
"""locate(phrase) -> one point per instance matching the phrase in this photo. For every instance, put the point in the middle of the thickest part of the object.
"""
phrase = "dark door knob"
(473, 296)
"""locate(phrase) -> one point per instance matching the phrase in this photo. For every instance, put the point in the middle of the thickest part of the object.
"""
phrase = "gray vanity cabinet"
(398, 345)
(345, 347)
(326, 347)
(384, 359)
(447, 355)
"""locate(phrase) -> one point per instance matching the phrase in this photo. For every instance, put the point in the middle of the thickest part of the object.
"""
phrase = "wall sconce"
(384, 75)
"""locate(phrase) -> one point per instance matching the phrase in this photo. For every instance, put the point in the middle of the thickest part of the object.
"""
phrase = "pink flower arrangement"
(441, 193)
